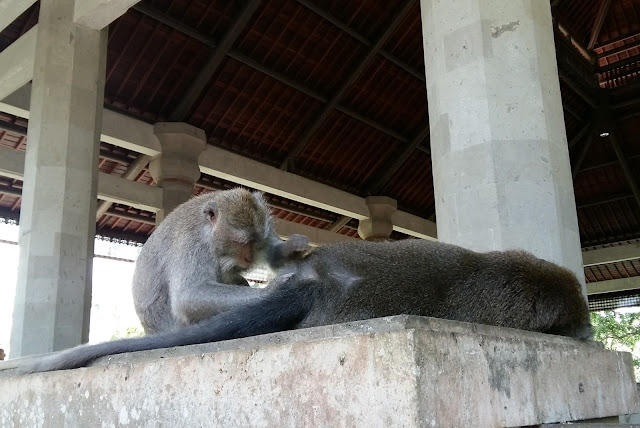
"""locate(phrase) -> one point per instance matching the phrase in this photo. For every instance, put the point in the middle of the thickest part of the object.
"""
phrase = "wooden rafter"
(133, 170)
(301, 143)
(400, 159)
(621, 38)
(576, 87)
(626, 168)
(603, 11)
(619, 49)
(417, 73)
(582, 155)
(196, 90)
(586, 128)
(240, 57)
(339, 224)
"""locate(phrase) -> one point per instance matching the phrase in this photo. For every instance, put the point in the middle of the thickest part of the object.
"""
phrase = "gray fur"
(359, 280)
(188, 269)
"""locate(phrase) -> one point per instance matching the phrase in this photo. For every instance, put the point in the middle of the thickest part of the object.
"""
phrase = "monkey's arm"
(197, 303)
(279, 252)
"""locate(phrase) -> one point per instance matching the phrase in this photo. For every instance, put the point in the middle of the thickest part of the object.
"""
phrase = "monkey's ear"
(259, 198)
(210, 214)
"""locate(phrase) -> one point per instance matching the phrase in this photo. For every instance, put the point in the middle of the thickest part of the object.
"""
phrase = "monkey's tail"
(280, 310)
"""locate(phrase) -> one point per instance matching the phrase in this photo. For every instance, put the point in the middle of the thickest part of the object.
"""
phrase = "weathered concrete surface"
(400, 371)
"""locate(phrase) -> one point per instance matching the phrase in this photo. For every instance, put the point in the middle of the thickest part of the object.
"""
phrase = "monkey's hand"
(282, 252)
(295, 246)
(279, 280)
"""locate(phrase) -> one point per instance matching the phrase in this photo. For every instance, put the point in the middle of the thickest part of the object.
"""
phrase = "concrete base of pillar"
(397, 371)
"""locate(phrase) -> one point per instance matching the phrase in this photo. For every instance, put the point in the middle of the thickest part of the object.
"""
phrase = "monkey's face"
(240, 225)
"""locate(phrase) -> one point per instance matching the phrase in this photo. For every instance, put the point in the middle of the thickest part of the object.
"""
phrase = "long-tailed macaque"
(359, 280)
(189, 268)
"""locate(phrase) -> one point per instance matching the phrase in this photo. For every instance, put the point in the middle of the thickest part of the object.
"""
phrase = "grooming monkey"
(190, 267)
(360, 280)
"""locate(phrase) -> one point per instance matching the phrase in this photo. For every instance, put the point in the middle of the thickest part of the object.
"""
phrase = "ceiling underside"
(334, 91)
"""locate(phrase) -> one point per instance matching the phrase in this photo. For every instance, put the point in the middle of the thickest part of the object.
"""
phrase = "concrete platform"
(401, 371)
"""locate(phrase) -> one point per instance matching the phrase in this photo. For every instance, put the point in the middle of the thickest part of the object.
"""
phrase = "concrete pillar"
(176, 170)
(501, 168)
(57, 218)
(378, 226)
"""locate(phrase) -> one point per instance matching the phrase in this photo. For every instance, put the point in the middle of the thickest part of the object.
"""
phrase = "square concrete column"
(176, 170)
(379, 225)
(57, 218)
(501, 168)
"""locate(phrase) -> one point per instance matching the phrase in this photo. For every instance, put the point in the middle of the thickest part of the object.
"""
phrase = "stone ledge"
(395, 371)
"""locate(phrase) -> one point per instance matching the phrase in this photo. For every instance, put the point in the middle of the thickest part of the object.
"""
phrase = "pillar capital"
(181, 147)
(379, 224)
(167, 132)
(176, 169)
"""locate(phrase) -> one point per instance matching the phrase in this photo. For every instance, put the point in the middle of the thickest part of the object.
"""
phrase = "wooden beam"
(11, 163)
(156, 15)
(588, 98)
(400, 159)
(594, 203)
(133, 170)
(138, 136)
(238, 56)
(16, 63)
(417, 73)
(10, 191)
(372, 123)
(98, 14)
(197, 88)
(603, 12)
(10, 10)
(581, 156)
(613, 285)
(316, 236)
(301, 143)
(238, 169)
(110, 187)
(626, 168)
(621, 38)
(278, 76)
(619, 49)
(339, 224)
(130, 217)
(608, 255)
(575, 140)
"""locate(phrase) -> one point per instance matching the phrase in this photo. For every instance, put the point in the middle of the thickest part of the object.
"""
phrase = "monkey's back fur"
(420, 277)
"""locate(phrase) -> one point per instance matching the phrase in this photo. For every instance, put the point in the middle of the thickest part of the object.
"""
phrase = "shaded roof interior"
(334, 91)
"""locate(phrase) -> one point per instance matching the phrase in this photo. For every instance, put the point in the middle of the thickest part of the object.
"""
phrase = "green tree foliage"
(618, 331)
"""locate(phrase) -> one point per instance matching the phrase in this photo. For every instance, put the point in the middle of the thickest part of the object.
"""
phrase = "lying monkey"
(190, 267)
(359, 280)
